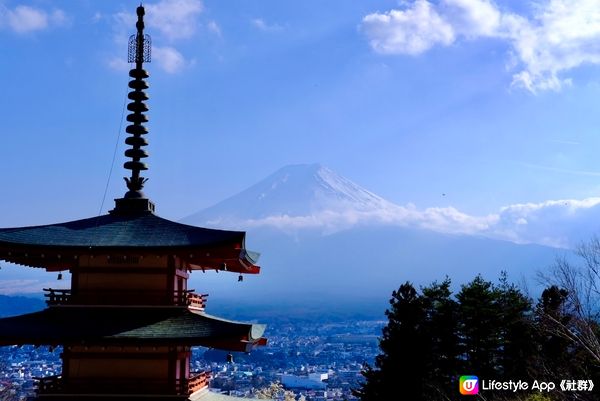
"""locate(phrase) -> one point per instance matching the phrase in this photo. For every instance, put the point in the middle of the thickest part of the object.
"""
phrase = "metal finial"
(138, 53)
(140, 45)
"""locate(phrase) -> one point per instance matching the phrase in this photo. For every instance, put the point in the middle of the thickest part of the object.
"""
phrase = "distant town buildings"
(313, 381)
(294, 350)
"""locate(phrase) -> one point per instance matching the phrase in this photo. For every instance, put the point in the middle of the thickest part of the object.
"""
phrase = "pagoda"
(129, 320)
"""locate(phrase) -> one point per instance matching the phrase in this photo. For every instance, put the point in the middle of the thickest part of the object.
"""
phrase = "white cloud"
(451, 220)
(446, 220)
(169, 59)
(410, 31)
(175, 19)
(560, 34)
(261, 25)
(472, 18)
(25, 19)
(560, 223)
(555, 223)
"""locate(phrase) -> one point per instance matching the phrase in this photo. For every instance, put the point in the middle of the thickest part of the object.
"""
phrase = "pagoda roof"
(129, 326)
(120, 231)
(130, 233)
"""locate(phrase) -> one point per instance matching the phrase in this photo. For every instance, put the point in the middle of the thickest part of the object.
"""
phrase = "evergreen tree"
(479, 331)
(491, 331)
(399, 369)
(517, 333)
(441, 333)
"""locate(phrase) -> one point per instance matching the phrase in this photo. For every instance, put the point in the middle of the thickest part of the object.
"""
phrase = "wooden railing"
(189, 298)
(58, 385)
(196, 301)
(197, 382)
(57, 297)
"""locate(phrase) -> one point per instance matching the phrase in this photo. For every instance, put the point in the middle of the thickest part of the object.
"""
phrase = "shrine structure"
(127, 325)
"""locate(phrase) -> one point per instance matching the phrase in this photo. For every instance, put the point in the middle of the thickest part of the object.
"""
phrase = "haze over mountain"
(325, 238)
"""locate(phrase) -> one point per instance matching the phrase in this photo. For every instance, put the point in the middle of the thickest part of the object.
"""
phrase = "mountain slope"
(303, 190)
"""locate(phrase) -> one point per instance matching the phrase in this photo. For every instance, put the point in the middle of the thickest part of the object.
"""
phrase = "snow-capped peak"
(295, 191)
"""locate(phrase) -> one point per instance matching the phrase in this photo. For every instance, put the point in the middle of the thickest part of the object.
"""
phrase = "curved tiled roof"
(124, 325)
(55, 246)
(139, 230)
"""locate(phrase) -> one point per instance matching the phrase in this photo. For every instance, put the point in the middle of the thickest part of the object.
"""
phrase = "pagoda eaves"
(129, 326)
(126, 237)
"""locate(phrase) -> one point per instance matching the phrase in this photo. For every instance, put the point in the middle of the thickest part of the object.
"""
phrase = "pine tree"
(399, 369)
(517, 333)
(441, 332)
(488, 330)
(479, 331)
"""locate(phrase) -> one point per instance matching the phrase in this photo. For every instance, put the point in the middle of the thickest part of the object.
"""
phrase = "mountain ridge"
(293, 191)
(312, 197)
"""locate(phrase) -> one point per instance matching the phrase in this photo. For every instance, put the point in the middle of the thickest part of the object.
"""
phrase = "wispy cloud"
(559, 36)
(169, 59)
(262, 25)
(26, 19)
(174, 19)
(213, 27)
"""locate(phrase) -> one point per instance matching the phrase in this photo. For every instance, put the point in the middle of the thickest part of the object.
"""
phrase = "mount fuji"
(298, 196)
(325, 240)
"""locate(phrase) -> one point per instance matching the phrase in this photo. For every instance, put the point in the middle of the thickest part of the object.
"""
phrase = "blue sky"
(491, 103)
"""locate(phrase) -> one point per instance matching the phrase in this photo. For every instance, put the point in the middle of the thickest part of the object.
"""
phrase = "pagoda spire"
(139, 53)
